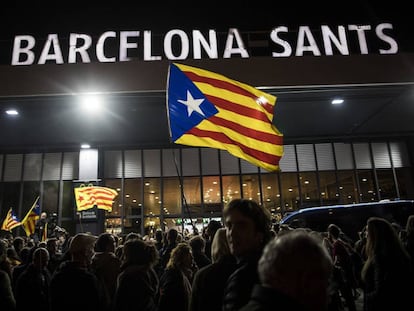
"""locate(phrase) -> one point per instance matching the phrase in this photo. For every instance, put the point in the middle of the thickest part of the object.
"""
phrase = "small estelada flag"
(90, 196)
(11, 221)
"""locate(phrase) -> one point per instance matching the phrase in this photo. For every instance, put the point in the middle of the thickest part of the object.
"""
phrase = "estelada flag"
(88, 197)
(207, 109)
(11, 221)
(29, 221)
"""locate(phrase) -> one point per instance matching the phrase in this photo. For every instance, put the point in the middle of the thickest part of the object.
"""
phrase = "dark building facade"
(359, 151)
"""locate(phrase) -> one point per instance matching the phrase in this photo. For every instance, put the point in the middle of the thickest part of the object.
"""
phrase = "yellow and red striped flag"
(11, 221)
(29, 221)
(44, 233)
(206, 109)
(88, 197)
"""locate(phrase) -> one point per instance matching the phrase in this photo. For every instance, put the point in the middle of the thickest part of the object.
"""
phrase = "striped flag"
(44, 233)
(11, 221)
(88, 197)
(29, 221)
(206, 109)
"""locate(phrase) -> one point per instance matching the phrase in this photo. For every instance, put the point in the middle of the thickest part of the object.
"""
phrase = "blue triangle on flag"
(181, 118)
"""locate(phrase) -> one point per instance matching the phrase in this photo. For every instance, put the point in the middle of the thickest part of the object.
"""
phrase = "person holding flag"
(11, 221)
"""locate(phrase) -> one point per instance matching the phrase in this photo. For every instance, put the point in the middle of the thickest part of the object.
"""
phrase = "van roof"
(339, 206)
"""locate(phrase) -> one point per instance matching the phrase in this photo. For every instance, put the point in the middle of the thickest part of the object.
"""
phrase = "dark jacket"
(240, 283)
(209, 284)
(75, 288)
(175, 291)
(267, 299)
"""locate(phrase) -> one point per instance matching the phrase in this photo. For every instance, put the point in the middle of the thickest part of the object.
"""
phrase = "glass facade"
(185, 188)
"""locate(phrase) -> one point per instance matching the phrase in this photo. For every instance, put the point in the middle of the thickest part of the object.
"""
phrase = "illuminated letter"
(304, 32)
(147, 47)
(27, 50)
(329, 36)
(124, 45)
(185, 46)
(393, 44)
(199, 40)
(82, 50)
(229, 50)
(287, 49)
(362, 40)
(56, 55)
(100, 46)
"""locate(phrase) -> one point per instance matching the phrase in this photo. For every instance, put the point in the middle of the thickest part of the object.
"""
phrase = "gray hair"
(293, 255)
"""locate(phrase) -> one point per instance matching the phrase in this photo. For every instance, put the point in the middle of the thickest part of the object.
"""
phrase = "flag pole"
(180, 177)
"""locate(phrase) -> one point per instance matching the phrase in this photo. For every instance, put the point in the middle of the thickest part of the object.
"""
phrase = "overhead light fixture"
(85, 146)
(12, 112)
(337, 101)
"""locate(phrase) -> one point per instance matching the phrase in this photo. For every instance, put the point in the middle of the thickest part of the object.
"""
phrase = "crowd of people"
(245, 263)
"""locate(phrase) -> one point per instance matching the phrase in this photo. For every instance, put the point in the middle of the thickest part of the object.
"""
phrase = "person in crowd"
(387, 273)
(26, 258)
(175, 282)
(40, 227)
(7, 300)
(106, 266)
(32, 286)
(159, 240)
(138, 282)
(198, 244)
(18, 244)
(408, 240)
(209, 282)
(73, 286)
(171, 243)
(54, 256)
(294, 273)
(248, 228)
(210, 231)
(342, 259)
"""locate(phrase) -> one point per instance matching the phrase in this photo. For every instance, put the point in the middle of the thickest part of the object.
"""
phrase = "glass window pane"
(11, 198)
(209, 161)
(251, 189)
(271, 194)
(343, 156)
(172, 196)
(51, 166)
(31, 190)
(405, 183)
(117, 205)
(32, 166)
(68, 201)
(386, 183)
(133, 161)
(132, 225)
(192, 193)
(190, 162)
(152, 163)
(306, 157)
(113, 225)
(170, 161)
(132, 197)
(309, 189)
(290, 192)
(231, 189)
(362, 156)
(211, 194)
(151, 224)
(348, 190)
(13, 168)
(328, 187)
(229, 163)
(367, 185)
(50, 197)
(288, 161)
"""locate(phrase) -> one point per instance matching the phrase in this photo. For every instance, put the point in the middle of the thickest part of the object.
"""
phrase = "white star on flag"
(192, 104)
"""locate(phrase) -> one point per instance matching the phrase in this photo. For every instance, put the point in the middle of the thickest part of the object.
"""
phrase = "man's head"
(82, 248)
(248, 226)
(297, 264)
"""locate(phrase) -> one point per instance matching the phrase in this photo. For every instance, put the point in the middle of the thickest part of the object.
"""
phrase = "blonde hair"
(219, 245)
(177, 256)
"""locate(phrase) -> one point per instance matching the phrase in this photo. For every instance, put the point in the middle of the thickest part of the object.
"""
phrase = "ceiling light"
(337, 101)
(12, 112)
(85, 146)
